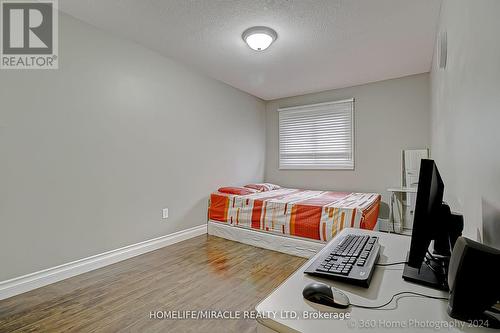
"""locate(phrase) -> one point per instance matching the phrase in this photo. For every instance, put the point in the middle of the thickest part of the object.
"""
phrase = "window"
(317, 136)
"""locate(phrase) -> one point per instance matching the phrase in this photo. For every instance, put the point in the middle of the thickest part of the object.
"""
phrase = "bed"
(294, 221)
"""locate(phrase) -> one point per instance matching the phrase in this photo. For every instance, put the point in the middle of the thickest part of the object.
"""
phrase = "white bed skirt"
(281, 243)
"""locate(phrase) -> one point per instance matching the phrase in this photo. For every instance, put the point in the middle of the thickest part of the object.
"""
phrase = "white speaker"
(442, 49)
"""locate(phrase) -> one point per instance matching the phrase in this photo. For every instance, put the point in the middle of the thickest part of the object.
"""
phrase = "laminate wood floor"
(202, 273)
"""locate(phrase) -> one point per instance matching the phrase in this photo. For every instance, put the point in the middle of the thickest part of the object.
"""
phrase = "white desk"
(386, 282)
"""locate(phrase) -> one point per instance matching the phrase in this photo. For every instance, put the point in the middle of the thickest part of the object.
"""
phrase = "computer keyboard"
(350, 258)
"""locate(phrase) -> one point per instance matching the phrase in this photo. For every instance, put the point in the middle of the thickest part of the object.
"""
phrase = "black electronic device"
(433, 222)
(473, 280)
(323, 294)
(350, 258)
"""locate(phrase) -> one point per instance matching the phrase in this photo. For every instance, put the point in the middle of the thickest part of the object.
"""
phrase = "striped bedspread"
(318, 215)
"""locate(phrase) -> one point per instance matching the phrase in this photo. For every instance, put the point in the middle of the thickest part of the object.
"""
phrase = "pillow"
(237, 190)
(263, 187)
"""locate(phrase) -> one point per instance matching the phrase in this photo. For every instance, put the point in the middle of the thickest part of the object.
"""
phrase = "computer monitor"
(433, 221)
(426, 224)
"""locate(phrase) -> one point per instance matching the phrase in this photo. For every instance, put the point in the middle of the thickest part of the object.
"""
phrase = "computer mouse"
(324, 294)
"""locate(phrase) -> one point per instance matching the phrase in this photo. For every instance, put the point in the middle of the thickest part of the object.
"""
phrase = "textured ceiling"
(321, 45)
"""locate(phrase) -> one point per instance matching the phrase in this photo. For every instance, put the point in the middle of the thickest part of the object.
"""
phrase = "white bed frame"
(282, 243)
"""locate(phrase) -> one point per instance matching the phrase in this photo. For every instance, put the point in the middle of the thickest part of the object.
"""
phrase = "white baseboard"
(21, 284)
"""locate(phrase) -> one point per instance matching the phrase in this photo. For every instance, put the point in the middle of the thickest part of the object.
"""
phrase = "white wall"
(389, 116)
(466, 108)
(92, 152)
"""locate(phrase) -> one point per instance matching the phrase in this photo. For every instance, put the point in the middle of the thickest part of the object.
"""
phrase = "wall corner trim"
(22, 284)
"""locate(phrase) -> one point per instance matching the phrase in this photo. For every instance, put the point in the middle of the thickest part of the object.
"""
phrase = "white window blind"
(317, 136)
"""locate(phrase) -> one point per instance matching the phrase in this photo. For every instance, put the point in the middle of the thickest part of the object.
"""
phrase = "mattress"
(310, 214)
(296, 246)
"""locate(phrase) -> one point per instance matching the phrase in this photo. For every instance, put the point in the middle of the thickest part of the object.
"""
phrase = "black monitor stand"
(433, 273)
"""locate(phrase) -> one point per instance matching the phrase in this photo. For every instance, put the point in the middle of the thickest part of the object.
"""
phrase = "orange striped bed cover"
(318, 215)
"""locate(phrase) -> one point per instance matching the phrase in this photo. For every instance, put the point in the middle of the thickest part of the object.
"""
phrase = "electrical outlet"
(165, 213)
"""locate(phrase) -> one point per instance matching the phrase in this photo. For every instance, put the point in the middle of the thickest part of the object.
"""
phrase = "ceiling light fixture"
(259, 38)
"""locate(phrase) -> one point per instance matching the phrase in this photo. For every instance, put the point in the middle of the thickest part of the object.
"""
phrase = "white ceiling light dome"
(259, 38)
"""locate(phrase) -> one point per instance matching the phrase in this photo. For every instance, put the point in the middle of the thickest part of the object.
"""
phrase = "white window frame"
(319, 167)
